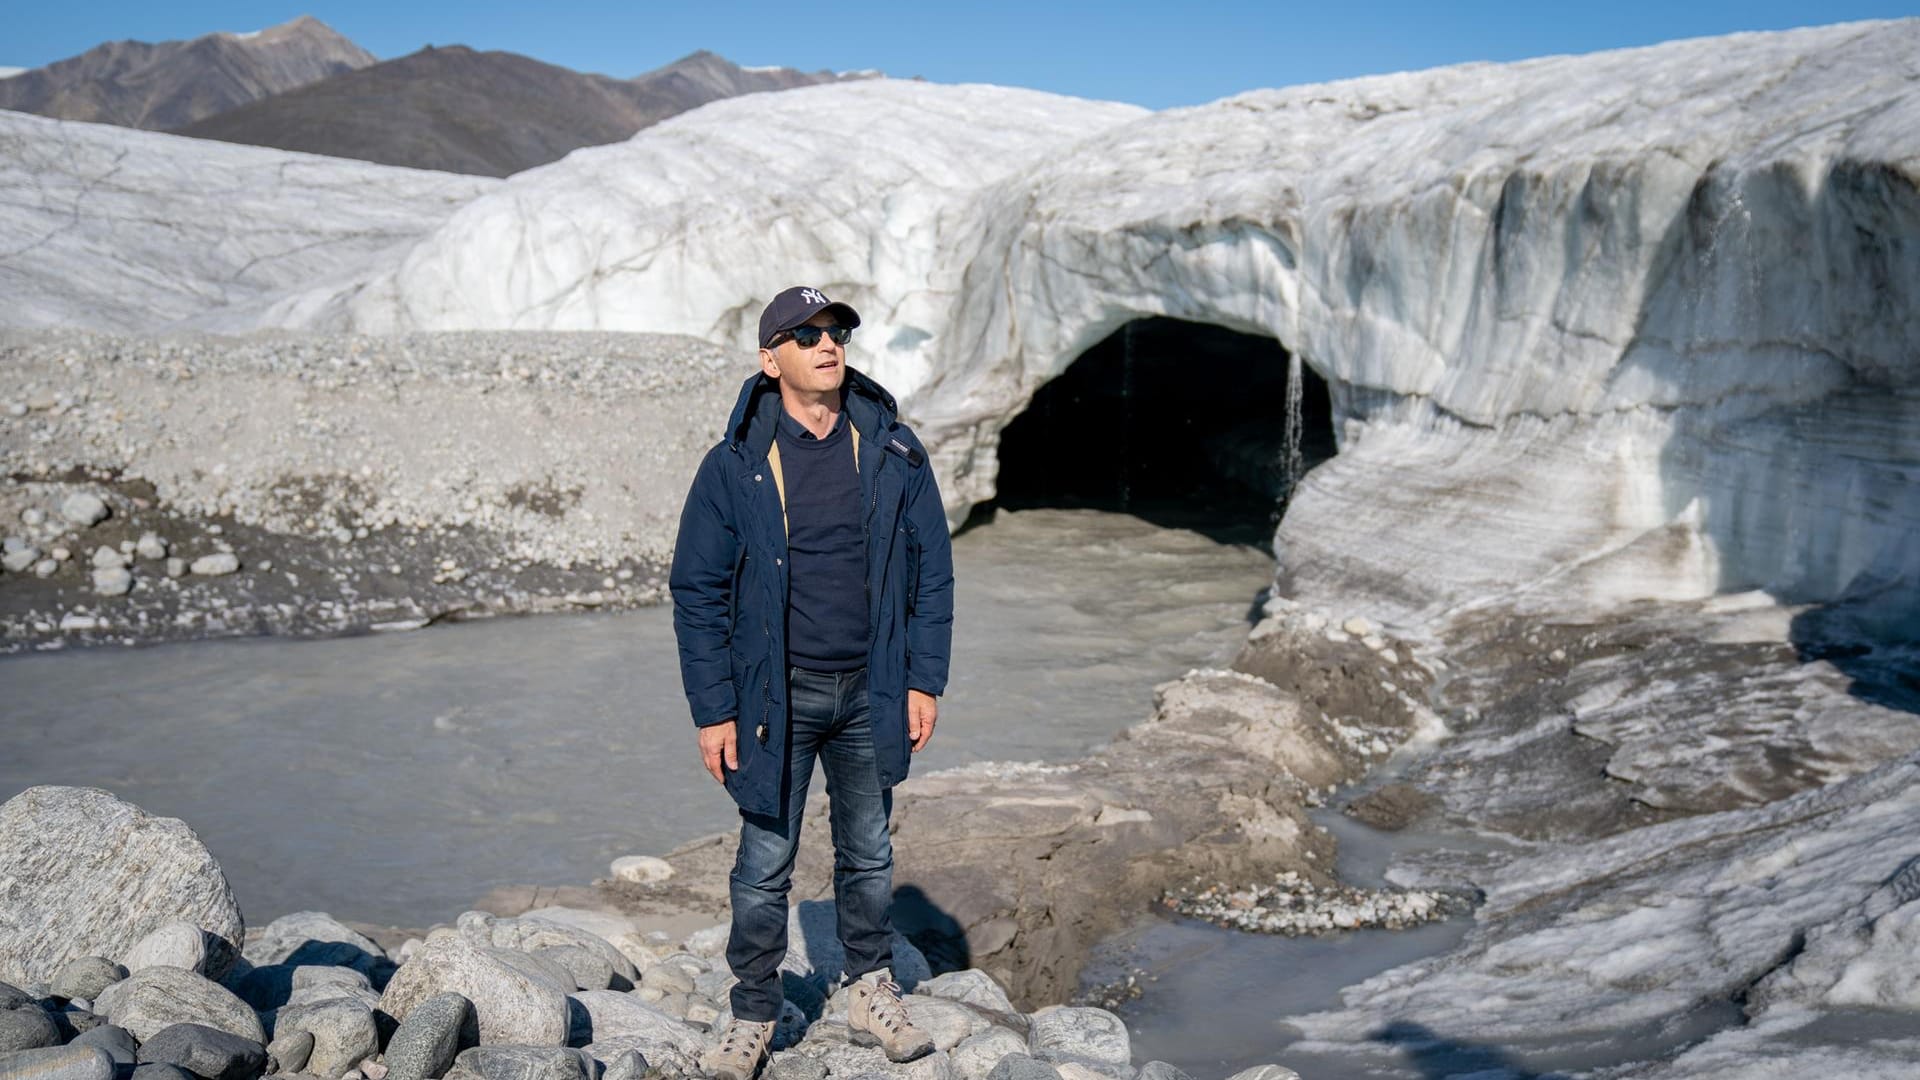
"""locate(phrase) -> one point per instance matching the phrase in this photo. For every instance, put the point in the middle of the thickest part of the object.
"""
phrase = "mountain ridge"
(160, 85)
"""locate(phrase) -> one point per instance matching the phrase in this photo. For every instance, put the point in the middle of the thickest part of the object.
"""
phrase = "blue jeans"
(831, 722)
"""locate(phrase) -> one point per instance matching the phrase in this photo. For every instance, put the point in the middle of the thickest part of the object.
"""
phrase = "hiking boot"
(742, 1049)
(878, 1018)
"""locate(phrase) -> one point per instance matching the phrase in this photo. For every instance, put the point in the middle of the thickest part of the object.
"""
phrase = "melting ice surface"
(396, 778)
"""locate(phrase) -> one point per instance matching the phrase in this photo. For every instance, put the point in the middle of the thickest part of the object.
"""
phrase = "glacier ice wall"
(111, 228)
(1633, 324)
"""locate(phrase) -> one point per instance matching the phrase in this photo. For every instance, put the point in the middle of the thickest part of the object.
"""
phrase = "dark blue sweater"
(826, 548)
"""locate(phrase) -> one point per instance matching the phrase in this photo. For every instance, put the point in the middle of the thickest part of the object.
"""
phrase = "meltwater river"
(395, 778)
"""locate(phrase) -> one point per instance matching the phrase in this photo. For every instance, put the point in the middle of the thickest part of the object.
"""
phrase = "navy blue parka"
(730, 589)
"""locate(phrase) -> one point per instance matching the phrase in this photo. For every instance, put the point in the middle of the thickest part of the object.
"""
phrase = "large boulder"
(512, 1007)
(1085, 1035)
(159, 997)
(83, 873)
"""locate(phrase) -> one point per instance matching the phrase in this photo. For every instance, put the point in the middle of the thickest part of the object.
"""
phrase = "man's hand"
(922, 709)
(717, 744)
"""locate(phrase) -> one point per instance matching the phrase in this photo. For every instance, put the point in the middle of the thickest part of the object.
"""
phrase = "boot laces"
(885, 1005)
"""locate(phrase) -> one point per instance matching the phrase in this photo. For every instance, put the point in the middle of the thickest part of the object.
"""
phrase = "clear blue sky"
(1157, 55)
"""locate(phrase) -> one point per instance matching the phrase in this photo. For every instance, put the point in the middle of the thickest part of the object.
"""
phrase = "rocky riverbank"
(178, 487)
(123, 953)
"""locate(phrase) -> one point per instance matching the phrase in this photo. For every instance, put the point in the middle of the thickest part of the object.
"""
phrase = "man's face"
(818, 370)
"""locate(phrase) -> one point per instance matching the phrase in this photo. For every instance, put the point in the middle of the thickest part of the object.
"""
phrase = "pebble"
(112, 581)
(33, 515)
(176, 568)
(45, 567)
(151, 546)
(108, 558)
(1357, 626)
(220, 562)
(84, 508)
(17, 560)
(62, 554)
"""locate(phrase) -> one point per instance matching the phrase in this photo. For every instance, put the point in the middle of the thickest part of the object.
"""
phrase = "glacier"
(115, 229)
(1619, 347)
(1665, 295)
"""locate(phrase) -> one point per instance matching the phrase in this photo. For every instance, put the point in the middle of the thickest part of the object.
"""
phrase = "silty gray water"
(396, 778)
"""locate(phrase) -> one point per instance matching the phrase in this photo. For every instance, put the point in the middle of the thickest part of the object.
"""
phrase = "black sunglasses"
(808, 336)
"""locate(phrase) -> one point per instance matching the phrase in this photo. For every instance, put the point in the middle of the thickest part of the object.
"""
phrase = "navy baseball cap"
(795, 306)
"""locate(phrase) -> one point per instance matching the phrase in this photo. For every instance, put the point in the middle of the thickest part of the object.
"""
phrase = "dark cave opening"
(1182, 424)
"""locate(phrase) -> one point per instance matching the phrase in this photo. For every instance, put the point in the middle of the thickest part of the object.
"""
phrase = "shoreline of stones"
(157, 980)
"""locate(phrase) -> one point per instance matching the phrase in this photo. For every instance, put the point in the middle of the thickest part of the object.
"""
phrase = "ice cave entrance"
(1183, 424)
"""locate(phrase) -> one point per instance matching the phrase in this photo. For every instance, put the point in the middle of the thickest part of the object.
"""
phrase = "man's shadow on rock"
(1438, 1057)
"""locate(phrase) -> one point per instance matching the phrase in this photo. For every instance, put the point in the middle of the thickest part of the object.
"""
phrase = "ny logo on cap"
(812, 296)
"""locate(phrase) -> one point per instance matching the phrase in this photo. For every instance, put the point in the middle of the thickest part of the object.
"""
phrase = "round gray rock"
(344, 1034)
(314, 937)
(27, 1028)
(83, 873)
(86, 976)
(510, 1006)
(57, 1063)
(176, 944)
(159, 997)
(433, 1033)
(205, 1052)
(116, 1041)
(1069, 1033)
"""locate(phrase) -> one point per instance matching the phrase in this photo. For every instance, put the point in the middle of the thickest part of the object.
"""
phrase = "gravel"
(304, 483)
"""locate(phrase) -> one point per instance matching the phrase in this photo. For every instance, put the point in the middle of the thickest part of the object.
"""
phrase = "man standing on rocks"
(813, 601)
